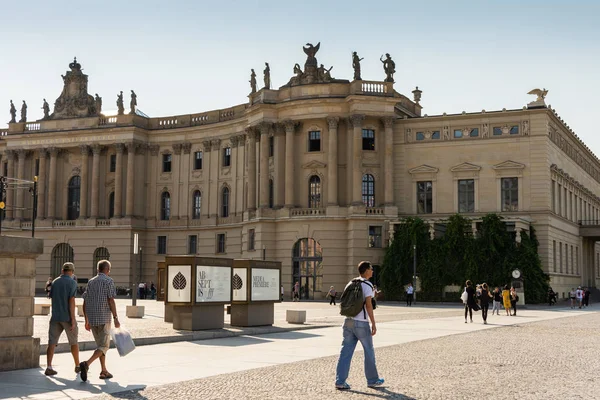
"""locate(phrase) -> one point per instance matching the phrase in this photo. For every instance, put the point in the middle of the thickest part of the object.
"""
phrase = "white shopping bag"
(123, 341)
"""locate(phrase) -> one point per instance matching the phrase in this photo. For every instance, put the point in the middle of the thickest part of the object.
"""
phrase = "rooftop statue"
(541, 95)
(324, 74)
(267, 73)
(389, 66)
(120, 105)
(23, 112)
(253, 81)
(13, 113)
(98, 101)
(74, 101)
(133, 102)
(46, 109)
(313, 73)
(356, 65)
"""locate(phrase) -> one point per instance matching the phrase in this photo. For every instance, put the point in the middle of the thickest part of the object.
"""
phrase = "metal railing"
(12, 201)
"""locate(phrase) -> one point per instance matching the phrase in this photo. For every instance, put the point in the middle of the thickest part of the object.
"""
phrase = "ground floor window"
(307, 261)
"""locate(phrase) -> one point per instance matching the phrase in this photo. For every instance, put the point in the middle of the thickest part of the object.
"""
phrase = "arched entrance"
(307, 262)
(101, 253)
(61, 253)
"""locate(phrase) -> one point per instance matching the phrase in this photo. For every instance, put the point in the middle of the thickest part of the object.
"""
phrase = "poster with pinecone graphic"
(179, 279)
(239, 284)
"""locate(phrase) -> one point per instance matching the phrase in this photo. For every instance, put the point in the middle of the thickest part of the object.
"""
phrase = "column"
(10, 193)
(215, 190)
(241, 173)
(52, 183)
(205, 208)
(388, 184)
(332, 162)
(357, 121)
(131, 147)
(265, 128)
(41, 204)
(234, 183)
(279, 169)
(290, 127)
(252, 132)
(96, 149)
(184, 178)
(120, 147)
(176, 168)
(20, 175)
(83, 198)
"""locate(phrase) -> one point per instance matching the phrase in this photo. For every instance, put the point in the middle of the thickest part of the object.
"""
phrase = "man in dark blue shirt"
(63, 292)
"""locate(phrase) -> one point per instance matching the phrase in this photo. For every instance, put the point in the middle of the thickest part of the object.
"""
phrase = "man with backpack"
(356, 304)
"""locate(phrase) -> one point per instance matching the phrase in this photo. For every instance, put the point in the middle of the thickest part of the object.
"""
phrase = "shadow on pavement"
(235, 341)
(292, 335)
(382, 393)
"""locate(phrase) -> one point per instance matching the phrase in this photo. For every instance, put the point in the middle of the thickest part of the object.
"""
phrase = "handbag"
(464, 297)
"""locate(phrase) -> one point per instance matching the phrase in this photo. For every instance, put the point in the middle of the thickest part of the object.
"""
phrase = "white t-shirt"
(367, 292)
(410, 289)
(579, 293)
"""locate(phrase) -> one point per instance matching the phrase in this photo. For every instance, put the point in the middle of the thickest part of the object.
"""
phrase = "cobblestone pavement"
(318, 314)
(552, 359)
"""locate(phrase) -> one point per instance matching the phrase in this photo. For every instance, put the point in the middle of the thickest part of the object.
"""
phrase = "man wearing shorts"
(62, 292)
(99, 309)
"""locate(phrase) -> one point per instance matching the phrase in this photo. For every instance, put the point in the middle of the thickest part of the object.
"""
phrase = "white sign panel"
(213, 284)
(179, 281)
(239, 284)
(265, 284)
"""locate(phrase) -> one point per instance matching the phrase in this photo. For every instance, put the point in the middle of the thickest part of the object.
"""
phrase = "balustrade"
(58, 224)
(306, 212)
(374, 211)
(108, 121)
(103, 222)
(33, 126)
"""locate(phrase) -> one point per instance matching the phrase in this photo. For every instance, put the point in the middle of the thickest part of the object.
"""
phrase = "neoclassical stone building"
(314, 174)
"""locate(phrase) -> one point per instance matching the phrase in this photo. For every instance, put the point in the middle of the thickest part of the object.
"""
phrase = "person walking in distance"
(296, 292)
(48, 286)
(410, 290)
(497, 295)
(572, 297)
(331, 294)
(471, 302)
(356, 304)
(586, 297)
(99, 309)
(579, 296)
(281, 292)
(484, 301)
(513, 300)
(62, 292)
(506, 300)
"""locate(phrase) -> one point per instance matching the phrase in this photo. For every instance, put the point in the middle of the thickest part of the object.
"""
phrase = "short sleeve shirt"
(367, 292)
(62, 289)
(579, 293)
(100, 288)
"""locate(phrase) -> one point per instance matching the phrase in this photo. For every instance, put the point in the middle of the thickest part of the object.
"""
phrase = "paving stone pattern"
(554, 359)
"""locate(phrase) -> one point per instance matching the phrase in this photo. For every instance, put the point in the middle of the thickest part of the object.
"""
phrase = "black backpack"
(352, 300)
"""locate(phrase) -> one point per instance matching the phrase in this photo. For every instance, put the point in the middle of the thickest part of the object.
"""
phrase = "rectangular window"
(474, 132)
(572, 261)
(198, 160)
(576, 260)
(5, 169)
(514, 130)
(271, 146)
(220, 243)
(166, 164)
(559, 210)
(420, 136)
(458, 133)
(553, 194)
(554, 255)
(251, 239)
(192, 244)
(435, 135)
(375, 236)
(497, 131)
(161, 245)
(37, 167)
(314, 141)
(424, 197)
(510, 194)
(368, 139)
(113, 163)
(466, 195)
(561, 257)
(566, 258)
(227, 156)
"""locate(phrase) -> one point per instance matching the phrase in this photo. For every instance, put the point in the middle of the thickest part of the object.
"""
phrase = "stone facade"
(313, 175)
(18, 348)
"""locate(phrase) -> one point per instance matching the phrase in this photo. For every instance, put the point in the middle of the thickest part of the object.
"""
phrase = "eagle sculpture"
(540, 93)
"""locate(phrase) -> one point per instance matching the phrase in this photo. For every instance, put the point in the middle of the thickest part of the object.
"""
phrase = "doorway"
(307, 261)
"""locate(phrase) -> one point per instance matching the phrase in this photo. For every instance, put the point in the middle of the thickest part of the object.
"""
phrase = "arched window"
(314, 192)
(61, 253)
(368, 190)
(101, 253)
(225, 202)
(73, 198)
(307, 267)
(111, 205)
(271, 194)
(165, 206)
(196, 203)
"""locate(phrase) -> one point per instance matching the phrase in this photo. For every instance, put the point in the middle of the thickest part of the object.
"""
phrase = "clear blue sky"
(191, 56)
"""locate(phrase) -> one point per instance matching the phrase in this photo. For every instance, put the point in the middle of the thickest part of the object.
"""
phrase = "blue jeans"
(355, 331)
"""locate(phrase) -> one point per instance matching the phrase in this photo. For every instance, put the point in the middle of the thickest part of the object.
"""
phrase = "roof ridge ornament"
(540, 100)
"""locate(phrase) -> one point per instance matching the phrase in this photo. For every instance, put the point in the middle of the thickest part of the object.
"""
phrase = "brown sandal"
(105, 375)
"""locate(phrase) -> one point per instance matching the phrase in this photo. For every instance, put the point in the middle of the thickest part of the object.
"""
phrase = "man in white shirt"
(409, 294)
(579, 296)
(357, 329)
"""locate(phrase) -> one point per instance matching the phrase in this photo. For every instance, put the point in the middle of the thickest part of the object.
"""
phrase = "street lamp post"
(415, 273)
(136, 250)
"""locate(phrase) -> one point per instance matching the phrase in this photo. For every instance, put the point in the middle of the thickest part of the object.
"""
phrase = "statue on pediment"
(74, 101)
(267, 76)
(389, 67)
(46, 109)
(323, 74)
(252, 81)
(23, 112)
(356, 65)
(98, 101)
(120, 105)
(13, 113)
(133, 103)
(313, 73)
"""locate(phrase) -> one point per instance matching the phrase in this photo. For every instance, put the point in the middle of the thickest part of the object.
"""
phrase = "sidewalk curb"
(190, 337)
